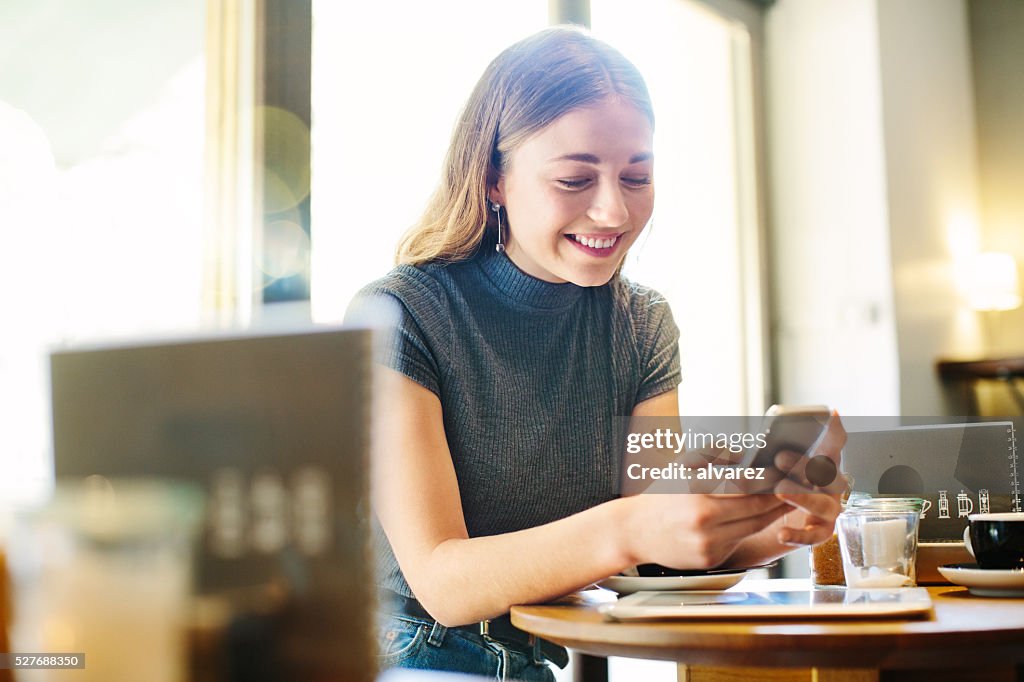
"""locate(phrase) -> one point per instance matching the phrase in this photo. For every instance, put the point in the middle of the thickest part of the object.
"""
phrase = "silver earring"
(496, 207)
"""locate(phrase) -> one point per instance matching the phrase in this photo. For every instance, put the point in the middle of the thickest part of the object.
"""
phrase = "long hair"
(524, 89)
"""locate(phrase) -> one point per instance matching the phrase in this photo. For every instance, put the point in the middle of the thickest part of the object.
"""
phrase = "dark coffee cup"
(997, 540)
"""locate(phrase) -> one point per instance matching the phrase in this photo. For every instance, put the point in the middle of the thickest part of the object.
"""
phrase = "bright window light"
(110, 246)
(697, 249)
(389, 80)
(992, 283)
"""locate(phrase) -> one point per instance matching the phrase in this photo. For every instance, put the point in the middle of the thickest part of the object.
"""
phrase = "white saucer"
(719, 580)
(986, 582)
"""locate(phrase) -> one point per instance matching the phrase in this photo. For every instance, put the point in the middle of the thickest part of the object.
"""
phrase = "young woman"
(517, 343)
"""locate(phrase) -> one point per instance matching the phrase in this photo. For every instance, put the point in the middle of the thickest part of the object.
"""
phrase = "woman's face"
(578, 193)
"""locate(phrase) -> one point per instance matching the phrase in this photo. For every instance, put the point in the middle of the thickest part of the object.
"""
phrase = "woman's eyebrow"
(590, 158)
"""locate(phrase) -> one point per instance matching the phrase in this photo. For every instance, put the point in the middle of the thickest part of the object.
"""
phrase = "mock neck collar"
(519, 287)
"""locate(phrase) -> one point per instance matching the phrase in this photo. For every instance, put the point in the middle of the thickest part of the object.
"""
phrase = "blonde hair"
(524, 89)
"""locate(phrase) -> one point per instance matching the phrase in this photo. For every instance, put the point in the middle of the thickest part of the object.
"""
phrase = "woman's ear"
(496, 185)
(496, 193)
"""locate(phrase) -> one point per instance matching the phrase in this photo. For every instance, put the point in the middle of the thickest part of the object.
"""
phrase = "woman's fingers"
(716, 526)
(820, 512)
(831, 444)
(818, 475)
(741, 528)
(699, 531)
(815, 529)
(792, 465)
(815, 503)
(808, 535)
(724, 509)
(819, 468)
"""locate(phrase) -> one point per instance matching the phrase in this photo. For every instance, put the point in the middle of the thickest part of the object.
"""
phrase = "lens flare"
(285, 158)
(285, 249)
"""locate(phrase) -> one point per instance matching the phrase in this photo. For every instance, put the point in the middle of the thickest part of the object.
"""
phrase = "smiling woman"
(380, 123)
(496, 452)
(499, 355)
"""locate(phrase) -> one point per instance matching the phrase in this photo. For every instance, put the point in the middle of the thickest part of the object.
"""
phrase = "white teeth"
(596, 243)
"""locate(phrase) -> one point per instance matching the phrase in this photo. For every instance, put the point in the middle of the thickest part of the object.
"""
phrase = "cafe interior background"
(839, 202)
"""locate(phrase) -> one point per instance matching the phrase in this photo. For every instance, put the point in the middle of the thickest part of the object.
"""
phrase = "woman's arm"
(460, 579)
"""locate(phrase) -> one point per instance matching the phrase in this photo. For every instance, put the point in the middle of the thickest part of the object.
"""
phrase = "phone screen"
(799, 433)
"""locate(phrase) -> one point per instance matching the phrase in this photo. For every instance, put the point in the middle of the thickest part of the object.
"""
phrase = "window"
(386, 93)
(101, 187)
(701, 250)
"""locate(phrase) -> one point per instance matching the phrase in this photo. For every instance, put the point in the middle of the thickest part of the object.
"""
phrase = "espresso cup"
(996, 540)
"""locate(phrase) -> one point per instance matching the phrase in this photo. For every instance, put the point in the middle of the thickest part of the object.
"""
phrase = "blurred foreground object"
(102, 563)
(5, 614)
(274, 429)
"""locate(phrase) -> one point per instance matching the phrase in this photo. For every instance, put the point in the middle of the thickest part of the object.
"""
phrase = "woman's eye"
(638, 181)
(573, 183)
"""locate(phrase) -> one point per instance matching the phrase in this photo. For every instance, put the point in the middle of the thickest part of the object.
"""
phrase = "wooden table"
(967, 638)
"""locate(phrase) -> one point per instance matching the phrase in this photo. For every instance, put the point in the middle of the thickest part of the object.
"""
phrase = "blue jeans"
(407, 642)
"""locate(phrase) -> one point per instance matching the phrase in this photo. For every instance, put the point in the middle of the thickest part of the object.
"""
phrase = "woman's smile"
(599, 246)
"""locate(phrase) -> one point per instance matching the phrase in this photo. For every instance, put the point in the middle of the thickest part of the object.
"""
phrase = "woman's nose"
(608, 209)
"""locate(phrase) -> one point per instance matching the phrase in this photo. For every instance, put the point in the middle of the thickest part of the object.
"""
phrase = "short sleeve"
(659, 346)
(399, 340)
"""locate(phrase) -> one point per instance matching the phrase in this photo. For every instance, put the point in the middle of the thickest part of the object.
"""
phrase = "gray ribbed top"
(530, 376)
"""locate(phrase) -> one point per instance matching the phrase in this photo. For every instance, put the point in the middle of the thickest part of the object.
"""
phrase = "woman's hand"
(694, 530)
(811, 511)
(815, 506)
(811, 521)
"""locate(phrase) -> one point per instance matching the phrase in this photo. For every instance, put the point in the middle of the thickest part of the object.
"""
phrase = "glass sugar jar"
(878, 538)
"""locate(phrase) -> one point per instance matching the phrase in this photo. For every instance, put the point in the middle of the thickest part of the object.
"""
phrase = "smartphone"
(798, 428)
